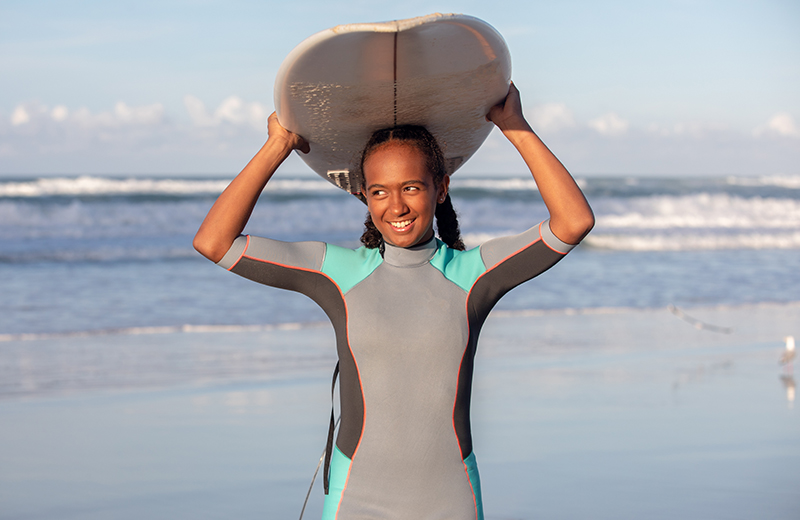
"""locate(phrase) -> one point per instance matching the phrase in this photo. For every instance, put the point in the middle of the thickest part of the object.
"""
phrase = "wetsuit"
(406, 327)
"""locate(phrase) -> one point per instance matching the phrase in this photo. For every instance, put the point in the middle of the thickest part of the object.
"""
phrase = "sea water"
(111, 257)
(636, 412)
(87, 254)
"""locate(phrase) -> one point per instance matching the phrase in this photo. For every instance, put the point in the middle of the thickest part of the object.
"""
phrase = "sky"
(182, 87)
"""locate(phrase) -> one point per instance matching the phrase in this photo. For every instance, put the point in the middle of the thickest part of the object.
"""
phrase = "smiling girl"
(407, 309)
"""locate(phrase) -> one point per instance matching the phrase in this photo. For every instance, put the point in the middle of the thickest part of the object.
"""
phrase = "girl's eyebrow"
(406, 183)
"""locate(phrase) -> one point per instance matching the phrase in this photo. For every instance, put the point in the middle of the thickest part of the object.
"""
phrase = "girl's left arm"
(571, 218)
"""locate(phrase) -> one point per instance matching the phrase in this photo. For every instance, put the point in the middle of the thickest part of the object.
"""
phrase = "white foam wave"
(168, 329)
(475, 239)
(86, 185)
(96, 186)
(694, 242)
(781, 181)
(108, 254)
(702, 210)
(496, 184)
(303, 185)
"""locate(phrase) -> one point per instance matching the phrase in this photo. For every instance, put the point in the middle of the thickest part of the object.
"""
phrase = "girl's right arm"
(229, 214)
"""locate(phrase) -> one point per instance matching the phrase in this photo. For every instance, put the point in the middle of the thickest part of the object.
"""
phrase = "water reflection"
(788, 383)
(787, 359)
(236, 402)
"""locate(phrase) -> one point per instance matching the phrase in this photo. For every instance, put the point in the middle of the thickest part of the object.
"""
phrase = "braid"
(371, 238)
(422, 140)
(447, 224)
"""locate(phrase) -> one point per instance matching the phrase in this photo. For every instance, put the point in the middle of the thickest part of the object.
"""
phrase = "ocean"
(95, 255)
(139, 380)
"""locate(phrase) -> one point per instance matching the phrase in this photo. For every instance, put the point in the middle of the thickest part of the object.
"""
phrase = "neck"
(410, 256)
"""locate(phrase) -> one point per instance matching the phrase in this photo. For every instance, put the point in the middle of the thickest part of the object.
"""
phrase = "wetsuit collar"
(410, 256)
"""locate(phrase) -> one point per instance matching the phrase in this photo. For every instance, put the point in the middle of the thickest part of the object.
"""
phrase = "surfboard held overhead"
(441, 71)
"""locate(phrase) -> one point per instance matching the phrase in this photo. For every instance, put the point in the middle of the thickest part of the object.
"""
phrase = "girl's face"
(401, 194)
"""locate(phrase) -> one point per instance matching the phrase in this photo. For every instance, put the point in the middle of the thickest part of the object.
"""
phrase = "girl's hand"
(507, 115)
(279, 133)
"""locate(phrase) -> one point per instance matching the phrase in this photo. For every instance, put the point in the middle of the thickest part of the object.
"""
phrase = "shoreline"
(193, 328)
(640, 413)
(153, 358)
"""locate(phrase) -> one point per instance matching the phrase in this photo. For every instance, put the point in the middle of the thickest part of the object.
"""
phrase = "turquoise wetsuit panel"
(340, 467)
(460, 267)
(347, 267)
(475, 481)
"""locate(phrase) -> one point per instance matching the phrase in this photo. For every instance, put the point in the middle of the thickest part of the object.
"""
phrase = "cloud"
(233, 110)
(125, 138)
(781, 124)
(609, 125)
(20, 116)
(551, 117)
(37, 138)
(59, 113)
(648, 148)
(197, 111)
(698, 130)
(38, 116)
(143, 115)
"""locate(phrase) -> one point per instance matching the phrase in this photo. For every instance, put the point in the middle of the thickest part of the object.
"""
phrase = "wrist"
(513, 124)
(279, 145)
(518, 133)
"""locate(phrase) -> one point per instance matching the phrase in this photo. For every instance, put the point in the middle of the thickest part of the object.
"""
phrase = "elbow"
(582, 225)
(210, 249)
(573, 229)
(586, 223)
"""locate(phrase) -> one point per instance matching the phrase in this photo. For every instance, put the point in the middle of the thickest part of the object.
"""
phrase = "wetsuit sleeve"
(502, 249)
(510, 261)
(294, 266)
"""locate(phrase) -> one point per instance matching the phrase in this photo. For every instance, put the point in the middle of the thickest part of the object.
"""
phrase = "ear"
(444, 187)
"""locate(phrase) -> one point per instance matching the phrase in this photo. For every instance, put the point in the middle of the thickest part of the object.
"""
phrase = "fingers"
(508, 115)
(276, 130)
(498, 112)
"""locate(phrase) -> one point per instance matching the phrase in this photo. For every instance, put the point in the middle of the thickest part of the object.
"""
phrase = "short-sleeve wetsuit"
(406, 326)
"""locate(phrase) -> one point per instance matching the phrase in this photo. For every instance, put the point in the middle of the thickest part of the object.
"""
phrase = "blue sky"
(617, 87)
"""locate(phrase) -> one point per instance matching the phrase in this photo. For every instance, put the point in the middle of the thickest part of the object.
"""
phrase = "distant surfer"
(406, 308)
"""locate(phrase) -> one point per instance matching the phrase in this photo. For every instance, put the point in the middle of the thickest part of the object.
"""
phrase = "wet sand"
(593, 414)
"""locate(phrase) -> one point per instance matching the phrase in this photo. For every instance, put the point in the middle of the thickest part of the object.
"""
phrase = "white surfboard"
(441, 71)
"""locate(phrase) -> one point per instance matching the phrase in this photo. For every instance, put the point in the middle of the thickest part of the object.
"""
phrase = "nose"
(397, 205)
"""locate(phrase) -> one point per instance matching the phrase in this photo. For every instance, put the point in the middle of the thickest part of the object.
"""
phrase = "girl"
(407, 309)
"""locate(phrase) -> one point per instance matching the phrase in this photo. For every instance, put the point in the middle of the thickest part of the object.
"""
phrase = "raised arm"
(229, 214)
(571, 218)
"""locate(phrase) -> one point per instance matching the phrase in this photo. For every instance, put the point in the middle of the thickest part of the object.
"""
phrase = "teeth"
(402, 224)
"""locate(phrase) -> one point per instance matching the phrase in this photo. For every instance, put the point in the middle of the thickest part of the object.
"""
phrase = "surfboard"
(441, 71)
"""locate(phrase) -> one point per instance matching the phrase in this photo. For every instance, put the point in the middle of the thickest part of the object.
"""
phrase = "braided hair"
(422, 140)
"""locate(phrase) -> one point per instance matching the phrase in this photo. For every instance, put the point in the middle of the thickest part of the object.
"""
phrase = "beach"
(637, 378)
(614, 413)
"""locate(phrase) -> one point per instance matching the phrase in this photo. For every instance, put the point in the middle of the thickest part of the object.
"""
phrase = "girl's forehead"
(396, 146)
(394, 159)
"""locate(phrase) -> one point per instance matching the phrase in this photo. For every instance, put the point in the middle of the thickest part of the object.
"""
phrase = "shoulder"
(537, 238)
(531, 251)
(303, 255)
(348, 267)
(460, 267)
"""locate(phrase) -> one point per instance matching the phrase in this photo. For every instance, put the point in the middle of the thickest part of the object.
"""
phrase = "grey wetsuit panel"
(409, 361)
